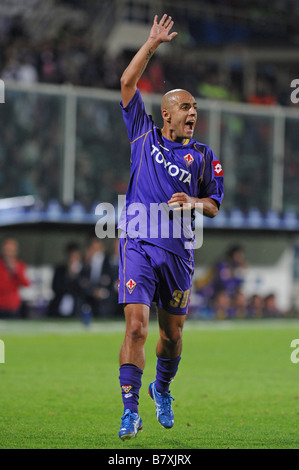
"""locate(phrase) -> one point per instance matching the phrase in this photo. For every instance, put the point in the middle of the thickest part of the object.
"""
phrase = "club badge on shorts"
(131, 284)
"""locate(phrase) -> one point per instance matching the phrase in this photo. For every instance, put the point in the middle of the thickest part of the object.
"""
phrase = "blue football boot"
(162, 401)
(131, 424)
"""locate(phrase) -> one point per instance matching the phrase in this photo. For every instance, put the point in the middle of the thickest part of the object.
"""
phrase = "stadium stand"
(235, 50)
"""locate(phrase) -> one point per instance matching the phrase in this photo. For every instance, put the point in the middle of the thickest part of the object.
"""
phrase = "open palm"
(161, 30)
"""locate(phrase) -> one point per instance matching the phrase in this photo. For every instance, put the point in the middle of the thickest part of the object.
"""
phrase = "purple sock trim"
(165, 372)
(130, 382)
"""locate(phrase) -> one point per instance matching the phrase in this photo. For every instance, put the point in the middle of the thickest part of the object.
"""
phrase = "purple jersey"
(160, 168)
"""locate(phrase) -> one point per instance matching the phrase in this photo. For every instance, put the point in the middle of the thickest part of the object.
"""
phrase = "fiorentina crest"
(131, 285)
(188, 159)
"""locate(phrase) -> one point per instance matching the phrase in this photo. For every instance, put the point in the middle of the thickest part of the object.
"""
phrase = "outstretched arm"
(160, 32)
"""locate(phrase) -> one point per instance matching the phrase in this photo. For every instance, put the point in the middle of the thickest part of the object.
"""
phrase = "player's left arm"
(180, 201)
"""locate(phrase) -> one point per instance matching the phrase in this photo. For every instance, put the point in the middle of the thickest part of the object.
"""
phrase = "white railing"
(276, 116)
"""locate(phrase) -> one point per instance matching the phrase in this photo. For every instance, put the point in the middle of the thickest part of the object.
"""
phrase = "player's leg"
(132, 349)
(169, 348)
(132, 355)
(175, 278)
(169, 344)
(168, 351)
(132, 361)
(137, 284)
(174, 294)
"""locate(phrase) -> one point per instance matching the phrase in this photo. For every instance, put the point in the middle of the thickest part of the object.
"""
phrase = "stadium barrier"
(69, 144)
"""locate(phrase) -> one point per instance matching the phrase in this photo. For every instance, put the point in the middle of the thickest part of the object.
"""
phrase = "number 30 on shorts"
(179, 298)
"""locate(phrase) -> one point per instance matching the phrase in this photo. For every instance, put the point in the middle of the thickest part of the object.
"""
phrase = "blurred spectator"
(239, 305)
(222, 305)
(256, 306)
(270, 307)
(10, 69)
(67, 293)
(229, 271)
(96, 279)
(219, 291)
(264, 94)
(212, 88)
(145, 85)
(26, 72)
(157, 77)
(116, 308)
(203, 291)
(48, 67)
(12, 278)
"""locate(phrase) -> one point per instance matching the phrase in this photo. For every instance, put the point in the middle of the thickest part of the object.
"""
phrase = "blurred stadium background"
(64, 148)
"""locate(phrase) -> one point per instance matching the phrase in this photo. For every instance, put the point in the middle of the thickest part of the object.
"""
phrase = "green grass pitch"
(236, 387)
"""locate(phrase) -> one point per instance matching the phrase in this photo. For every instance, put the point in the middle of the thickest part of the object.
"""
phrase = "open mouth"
(189, 126)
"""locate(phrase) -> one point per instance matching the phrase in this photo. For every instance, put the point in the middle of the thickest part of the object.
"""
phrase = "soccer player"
(170, 169)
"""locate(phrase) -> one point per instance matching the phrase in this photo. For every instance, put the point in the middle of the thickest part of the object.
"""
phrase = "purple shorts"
(148, 273)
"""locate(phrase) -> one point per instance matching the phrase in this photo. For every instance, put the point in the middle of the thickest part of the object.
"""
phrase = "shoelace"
(127, 418)
(166, 403)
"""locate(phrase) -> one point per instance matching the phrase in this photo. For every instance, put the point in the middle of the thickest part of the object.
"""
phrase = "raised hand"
(161, 31)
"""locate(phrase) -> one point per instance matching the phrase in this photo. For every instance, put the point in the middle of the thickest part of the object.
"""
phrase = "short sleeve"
(136, 119)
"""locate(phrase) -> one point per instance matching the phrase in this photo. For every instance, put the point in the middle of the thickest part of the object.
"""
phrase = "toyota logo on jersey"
(217, 168)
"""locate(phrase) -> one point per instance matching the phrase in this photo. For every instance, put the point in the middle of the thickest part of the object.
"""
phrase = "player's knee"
(173, 337)
(137, 331)
(137, 317)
